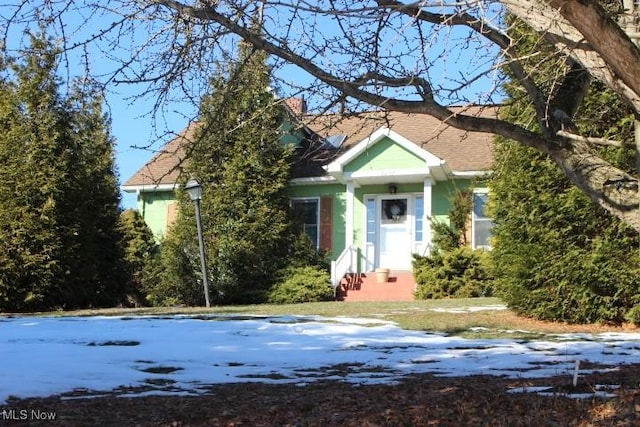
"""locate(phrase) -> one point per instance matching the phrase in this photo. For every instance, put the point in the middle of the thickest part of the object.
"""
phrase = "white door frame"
(375, 251)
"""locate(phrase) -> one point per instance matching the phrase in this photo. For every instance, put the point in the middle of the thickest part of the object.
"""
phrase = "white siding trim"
(148, 188)
(428, 207)
(349, 229)
(313, 180)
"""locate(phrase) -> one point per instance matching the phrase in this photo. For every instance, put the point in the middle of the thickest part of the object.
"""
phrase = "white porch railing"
(345, 263)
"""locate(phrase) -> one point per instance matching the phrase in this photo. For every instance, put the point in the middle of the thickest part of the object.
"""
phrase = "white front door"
(394, 237)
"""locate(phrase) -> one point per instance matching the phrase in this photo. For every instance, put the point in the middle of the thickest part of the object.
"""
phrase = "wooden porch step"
(364, 287)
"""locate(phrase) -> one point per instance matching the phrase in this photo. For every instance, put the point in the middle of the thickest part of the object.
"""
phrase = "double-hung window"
(307, 213)
(481, 223)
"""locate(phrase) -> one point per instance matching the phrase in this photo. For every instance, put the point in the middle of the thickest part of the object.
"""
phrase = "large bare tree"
(414, 57)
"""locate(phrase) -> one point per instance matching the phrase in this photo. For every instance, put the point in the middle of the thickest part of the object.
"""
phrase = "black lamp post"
(194, 189)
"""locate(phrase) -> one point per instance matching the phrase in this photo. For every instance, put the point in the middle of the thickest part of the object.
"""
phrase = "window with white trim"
(481, 223)
(307, 213)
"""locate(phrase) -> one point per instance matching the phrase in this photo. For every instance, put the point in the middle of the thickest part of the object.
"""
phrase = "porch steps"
(364, 287)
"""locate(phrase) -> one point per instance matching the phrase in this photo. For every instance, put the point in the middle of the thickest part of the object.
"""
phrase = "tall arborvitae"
(57, 189)
(90, 208)
(238, 157)
(33, 146)
(557, 255)
(140, 250)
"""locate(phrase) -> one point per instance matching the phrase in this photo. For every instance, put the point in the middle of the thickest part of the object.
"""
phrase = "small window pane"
(482, 233)
(482, 223)
(371, 220)
(419, 214)
(312, 232)
(480, 205)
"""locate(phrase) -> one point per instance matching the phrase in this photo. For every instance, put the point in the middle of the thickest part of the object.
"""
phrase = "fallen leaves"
(420, 400)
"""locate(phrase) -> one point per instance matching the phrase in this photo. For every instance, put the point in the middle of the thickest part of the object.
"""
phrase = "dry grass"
(414, 315)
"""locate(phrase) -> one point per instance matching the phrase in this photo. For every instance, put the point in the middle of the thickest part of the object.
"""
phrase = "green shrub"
(457, 273)
(172, 277)
(557, 255)
(302, 252)
(633, 315)
(302, 284)
(581, 285)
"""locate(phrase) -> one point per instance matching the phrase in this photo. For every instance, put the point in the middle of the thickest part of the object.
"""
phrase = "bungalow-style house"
(367, 186)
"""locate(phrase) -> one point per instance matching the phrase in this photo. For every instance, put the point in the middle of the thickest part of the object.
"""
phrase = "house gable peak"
(338, 165)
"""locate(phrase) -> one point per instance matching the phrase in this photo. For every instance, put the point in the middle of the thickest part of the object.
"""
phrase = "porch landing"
(364, 287)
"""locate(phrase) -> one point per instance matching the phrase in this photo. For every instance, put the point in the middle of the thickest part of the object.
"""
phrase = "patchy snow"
(182, 354)
(548, 391)
(495, 307)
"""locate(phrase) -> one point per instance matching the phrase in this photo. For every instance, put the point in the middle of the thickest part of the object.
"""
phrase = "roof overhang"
(396, 176)
(470, 174)
(313, 180)
(144, 188)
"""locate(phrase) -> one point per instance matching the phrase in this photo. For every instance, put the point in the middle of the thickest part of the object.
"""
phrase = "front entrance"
(395, 238)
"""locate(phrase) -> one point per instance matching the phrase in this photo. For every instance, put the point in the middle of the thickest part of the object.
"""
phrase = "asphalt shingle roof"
(462, 150)
(165, 166)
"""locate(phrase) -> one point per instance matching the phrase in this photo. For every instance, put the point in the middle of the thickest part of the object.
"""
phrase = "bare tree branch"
(594, 141)
(413, 57)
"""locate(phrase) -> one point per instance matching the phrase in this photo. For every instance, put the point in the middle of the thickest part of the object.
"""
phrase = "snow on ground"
(42, 356)
(497, 307)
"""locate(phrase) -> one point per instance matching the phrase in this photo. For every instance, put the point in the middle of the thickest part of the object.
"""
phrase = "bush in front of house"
(557, 255)
(456, 273)
(302, 284)
(453, 269)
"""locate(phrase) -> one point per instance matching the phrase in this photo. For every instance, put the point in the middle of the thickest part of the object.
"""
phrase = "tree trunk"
(592, 39)
(609, 187)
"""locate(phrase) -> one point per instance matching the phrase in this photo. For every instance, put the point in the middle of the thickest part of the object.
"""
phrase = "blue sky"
(135, 125)
(132, 126)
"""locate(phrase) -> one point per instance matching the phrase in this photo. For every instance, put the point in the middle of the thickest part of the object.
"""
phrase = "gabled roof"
(433, 165)
(340, 162)
(463, 151)
(164, 168)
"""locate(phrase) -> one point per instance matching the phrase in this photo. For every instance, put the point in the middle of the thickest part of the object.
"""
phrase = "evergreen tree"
(58, 241)
(238, 157)
(557, 255)
(91, 205)
(453, 269)
(30, 247)
(140, 253)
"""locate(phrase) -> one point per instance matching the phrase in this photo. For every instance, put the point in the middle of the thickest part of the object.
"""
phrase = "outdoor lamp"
(194, 189)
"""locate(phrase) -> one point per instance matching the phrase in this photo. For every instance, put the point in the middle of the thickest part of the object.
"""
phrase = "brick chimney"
(298, 106)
